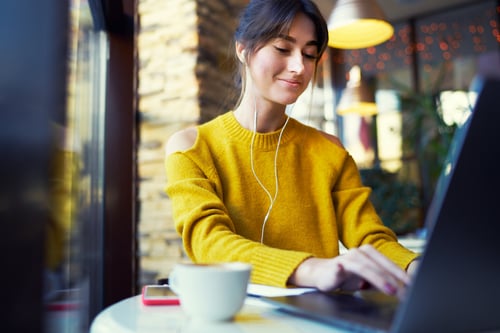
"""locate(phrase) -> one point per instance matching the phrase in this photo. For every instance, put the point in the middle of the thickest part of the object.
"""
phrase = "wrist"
(302, 276)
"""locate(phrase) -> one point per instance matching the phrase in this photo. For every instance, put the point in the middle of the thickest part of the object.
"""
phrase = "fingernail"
(390, 289)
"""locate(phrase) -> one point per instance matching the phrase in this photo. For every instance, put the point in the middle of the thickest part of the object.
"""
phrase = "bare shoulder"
(181, 140)
(333, 139)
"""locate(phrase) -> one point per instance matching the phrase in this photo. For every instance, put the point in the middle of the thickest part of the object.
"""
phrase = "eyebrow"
(293, 40)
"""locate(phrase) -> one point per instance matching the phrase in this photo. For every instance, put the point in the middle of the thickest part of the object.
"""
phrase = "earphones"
(244, 57)
(272, 199)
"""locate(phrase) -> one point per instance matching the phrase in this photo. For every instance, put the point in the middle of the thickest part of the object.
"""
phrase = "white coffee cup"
(211, 292)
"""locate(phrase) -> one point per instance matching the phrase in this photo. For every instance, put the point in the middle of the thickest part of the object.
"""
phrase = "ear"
(241, 52)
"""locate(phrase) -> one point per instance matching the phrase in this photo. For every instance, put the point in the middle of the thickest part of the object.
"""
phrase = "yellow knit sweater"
(219, 207)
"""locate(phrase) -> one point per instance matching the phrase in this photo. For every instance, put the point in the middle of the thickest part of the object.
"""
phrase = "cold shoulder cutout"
(181, 140)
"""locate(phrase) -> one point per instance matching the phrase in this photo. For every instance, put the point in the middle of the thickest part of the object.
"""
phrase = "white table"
(130, 315)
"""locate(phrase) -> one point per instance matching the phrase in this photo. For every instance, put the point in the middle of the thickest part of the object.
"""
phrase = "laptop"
(457, 285)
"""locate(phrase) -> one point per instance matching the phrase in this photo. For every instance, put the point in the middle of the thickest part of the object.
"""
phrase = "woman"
(257, 186)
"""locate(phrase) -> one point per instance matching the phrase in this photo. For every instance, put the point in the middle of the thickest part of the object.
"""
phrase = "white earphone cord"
(271, 199)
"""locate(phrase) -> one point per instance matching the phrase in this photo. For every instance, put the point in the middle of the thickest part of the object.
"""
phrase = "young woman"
(257, 186)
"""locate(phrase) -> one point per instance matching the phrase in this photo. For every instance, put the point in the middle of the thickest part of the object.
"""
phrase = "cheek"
(267, 67)
(309, 67)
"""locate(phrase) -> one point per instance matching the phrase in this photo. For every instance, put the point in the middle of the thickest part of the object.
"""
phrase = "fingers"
(370, 265)
(359, 267)
(386, 264)
(350, 282)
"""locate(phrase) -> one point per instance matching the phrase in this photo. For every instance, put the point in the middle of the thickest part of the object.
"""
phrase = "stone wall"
(185, 77)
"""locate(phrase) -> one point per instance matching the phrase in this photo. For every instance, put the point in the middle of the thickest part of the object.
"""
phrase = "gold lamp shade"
(357, 98)
(356, 24)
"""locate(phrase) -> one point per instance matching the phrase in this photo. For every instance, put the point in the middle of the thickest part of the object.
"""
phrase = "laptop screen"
(456, 288)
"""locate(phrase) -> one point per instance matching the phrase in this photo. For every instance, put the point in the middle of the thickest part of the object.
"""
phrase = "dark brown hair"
(263, 20)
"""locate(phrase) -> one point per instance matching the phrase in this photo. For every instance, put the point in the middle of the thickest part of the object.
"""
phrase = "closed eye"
(281, 50)
(310, 56)
(287, 51)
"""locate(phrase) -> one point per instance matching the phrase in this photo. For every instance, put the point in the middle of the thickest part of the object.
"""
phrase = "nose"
(296, 63)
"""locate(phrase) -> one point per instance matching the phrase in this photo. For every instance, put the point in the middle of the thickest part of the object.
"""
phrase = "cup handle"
(173, 282)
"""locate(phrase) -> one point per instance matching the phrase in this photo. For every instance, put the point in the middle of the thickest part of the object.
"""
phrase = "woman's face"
(281, 70)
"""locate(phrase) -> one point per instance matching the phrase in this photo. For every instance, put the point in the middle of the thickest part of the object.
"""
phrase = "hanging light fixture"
(356, 24)
(357, 98)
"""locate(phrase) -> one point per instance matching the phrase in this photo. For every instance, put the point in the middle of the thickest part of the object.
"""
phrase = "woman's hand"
(352, 271)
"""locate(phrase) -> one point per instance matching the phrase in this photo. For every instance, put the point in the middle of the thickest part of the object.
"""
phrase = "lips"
(292, 82)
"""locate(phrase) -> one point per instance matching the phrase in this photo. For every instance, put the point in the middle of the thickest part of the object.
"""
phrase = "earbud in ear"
(244, 56)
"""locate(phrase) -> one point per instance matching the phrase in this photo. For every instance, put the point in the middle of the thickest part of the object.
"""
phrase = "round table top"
(130, 315)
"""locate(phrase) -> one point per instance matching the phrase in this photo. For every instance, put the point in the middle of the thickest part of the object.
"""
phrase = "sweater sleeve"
(207, 231)
(358, 221)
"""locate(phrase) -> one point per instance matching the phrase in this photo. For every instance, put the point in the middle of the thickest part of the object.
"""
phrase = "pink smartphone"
(158, 295)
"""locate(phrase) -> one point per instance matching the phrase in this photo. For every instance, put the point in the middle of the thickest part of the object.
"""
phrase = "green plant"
(426, 136)
(402, 198)
(397, 202)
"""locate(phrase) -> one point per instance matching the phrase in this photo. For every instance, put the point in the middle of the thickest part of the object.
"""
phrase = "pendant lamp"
(358, 97)
(356, 24)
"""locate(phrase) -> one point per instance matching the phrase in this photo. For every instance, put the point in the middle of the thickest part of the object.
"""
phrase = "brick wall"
(185, 77)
